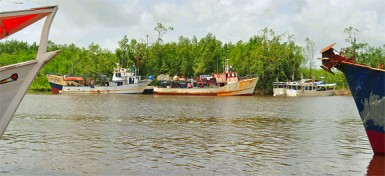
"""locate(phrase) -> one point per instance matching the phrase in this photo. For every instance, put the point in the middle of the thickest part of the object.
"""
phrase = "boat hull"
(291, 92)
(124, 89)
(279, 91)
(15, 81)
(368, 90)
(304, 87)
(314, 93)
(294, 93)
(240, 88)
(56, 88)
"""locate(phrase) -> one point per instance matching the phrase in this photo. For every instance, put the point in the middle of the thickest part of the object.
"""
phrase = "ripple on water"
(163, 135)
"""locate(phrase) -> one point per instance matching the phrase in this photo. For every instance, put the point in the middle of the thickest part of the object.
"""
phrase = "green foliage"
(72, 60)
(362, 52)
(269, 55)
(320, 74)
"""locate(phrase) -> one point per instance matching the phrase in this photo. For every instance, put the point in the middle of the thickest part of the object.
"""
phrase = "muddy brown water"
(176, 135)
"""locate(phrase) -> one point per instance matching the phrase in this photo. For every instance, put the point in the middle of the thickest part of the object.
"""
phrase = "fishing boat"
(216, 84)
(304, 87)
(124, 81)
(16, 78)
(367, 85)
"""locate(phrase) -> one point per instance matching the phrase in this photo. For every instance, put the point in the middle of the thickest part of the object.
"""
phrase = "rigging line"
(13, 2)
(36, 2)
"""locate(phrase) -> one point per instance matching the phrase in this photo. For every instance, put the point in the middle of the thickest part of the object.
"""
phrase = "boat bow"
(330, 59)
(16, 78)
(368, 90)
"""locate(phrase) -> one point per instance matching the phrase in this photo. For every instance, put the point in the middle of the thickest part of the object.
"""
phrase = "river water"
(176, 135)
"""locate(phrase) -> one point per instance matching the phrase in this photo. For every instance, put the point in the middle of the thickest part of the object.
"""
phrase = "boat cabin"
(304, 86)
(124, 76)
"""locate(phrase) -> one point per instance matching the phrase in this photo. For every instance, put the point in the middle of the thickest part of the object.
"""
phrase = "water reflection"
(376, 166)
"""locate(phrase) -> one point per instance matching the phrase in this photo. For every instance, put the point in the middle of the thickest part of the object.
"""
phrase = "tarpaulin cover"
(11, 22)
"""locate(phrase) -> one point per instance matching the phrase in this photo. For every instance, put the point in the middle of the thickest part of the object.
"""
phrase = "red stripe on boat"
(377, 141)
(55, 90)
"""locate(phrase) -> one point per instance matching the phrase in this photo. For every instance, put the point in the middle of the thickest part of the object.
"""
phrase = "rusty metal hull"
(243, 87)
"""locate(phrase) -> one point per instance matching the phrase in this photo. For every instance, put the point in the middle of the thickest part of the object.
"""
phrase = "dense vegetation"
(269, 55)
(362, 52)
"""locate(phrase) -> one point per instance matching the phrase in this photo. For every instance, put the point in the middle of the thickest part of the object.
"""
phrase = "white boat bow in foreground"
(16, 78)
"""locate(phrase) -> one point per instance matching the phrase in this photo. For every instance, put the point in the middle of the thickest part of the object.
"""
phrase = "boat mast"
(72, 72)
(227, 66)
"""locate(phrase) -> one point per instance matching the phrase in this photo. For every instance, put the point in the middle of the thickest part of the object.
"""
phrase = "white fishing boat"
(124, 81)
(16, 78)
(304, 87)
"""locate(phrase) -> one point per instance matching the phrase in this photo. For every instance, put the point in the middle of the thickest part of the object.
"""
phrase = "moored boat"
(304, 87)
(16, 78)
(367, 85)
(124, 81)
(217, 84)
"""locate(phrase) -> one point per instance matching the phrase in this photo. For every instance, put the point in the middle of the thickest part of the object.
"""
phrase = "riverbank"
(31, 91)
(342, 92)
(339, 92)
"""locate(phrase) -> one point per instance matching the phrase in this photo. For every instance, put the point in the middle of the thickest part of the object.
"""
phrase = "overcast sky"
(105, 22)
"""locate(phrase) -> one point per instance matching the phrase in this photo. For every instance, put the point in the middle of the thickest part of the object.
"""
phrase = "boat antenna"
(20, 2)
(217, 65)
(227, 66)
(72, 73)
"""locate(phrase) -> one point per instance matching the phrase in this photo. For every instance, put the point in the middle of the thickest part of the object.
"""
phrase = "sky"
(105, 22)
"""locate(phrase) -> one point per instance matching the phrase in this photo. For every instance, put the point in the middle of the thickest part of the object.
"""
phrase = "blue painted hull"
(367, 86)
(55, 87)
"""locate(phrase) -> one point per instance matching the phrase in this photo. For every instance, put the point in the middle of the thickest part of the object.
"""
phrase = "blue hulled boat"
(367, 85)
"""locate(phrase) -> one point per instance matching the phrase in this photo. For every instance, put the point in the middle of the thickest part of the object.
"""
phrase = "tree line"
(269, 55)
